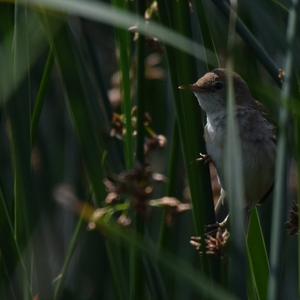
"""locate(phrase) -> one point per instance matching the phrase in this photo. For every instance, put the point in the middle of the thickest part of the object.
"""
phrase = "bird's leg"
(224, 222)
(220, 201)
(211, 228)
(205, 158)
(214, 227)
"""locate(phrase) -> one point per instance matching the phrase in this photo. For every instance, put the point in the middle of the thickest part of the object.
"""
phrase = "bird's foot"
(205, 158)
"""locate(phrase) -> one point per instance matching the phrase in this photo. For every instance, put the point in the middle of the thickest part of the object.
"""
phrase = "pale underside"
(257, 146)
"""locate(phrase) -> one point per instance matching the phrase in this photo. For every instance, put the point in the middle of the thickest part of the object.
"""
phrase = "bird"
(256, 132)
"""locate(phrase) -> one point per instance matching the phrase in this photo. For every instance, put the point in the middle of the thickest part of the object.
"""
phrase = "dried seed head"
(173, 207)
(64, 194)
(124, 220)
(98, 214)
(155, 142)
(112, 198)
(95, 217)
(195, 241)
(136, 184)
(215, 244)
(162, 140)
(170, 202)
(159, 177)
(151, 11)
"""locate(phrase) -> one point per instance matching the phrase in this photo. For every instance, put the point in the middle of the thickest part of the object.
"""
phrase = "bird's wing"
(266, 195)
(266, 114)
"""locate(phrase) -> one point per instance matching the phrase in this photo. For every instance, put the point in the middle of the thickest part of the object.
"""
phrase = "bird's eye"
(218, 85)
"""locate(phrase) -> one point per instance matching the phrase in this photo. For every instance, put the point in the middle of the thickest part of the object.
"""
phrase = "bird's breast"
(214, 139)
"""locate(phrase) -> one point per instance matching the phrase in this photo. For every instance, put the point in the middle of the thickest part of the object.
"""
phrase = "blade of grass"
(19, 119)
(10, 81)
(105, 13)
(184, 271)
(98, 72)
(251, 41)
(41, 96)
(11, 254)
(182, 71)
(69, 255)
(8, 257)
(298, 204)
(140, 91)
(235, 192)
(155, 284)
(234, 181)
(19, 115)
(281, 5)
(123, 45)
(72, 74)
(167, 232)
(208, 42)
(138, 281)
(136, 264)
(257, 256)
(187, 273)
(297, 156)
(203, 210)
(114, 159)
(93, 11)
(216, 264)
(280, 189)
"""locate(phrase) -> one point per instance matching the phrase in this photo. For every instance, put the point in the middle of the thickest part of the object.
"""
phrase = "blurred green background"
(98, 170)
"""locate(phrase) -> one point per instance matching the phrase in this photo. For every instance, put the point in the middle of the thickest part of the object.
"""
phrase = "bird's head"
(210, 90)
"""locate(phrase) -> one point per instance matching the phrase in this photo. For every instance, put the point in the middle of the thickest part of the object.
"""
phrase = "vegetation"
(100, 186)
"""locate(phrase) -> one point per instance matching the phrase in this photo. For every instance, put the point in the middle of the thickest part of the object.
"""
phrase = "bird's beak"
(190, 87)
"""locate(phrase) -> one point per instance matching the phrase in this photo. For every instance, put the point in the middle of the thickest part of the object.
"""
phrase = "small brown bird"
(257, 134)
